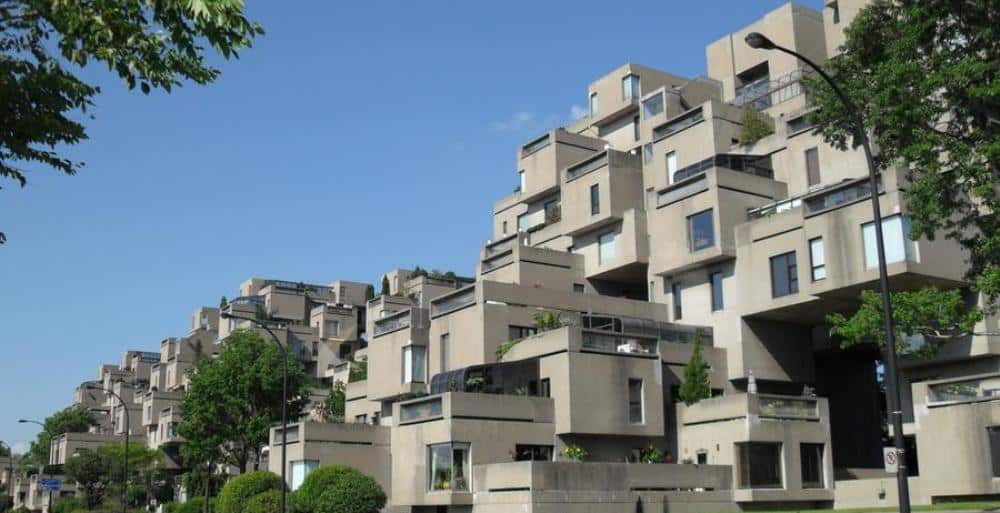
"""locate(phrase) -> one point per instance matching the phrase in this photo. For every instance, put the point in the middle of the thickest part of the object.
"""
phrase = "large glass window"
(595, 199)
(759, 465)
(630, 87)
(701, 232)
(449, 468)
(994, 435)
(606, 248)
(898, 246)
(652, 106)
(594, 105)
(525, 452)
(716, 281)
(522, 222)
(812, 167)
(301, 469)
(812, 465)
(817, 258)
(671, 166)
(414, 364)
(784, 275)
(635, 411)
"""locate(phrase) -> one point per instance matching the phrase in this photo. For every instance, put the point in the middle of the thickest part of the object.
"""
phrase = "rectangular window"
(812, 167)
(414, 364)
(647, 153)
(671, 166)
(361, 419)
(635, 413)
(524, 452)
(701, 232)
(445, 352)
(836, 12)
(520, 178)
(817, 259)
(332, 328)
(544, 388)
(579, 288)
(504, 229)
(652, 106)
(516, 332)
(594, 106)
(301, 469)
(630, 87)
(812, 465)
(635, 127)
(522, 222)
(448, 466)
(994, 435)
(898, 246)
(759, 465)
(675, 293)
(552, 212)
(784, 275)
(606, 248)
(595, 199)
(716, 281)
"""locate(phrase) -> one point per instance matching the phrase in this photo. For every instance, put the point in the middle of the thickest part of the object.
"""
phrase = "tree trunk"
(208, 486)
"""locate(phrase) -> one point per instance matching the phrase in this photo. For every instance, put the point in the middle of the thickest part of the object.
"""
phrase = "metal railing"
(421, 410)
(453, 302)
(617, 343)
(764, 93)
(247, 300)
(751, 164)
(838, 195)
(396, 321)
(969, 390)
(679, 123)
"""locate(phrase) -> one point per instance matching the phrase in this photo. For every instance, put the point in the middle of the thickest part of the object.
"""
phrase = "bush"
(267, 502)
(340, 489)
(193, 505)
(233, 497)
(67, 505)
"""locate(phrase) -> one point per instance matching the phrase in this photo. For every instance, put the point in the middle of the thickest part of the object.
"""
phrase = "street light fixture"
(284, 397)
(761, 42)
(127, 428)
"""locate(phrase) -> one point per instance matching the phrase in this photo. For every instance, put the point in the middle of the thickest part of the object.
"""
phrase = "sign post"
(890, 456)
(51, 485)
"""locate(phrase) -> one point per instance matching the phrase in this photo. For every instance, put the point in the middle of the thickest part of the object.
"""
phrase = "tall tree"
(87, 469)
(924, 74)
(232, 401)
(385, 285)
(152, 45)
(696, 385)
(69, 420)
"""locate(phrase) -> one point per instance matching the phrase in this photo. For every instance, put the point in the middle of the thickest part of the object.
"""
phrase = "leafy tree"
(385, 285)
(68, 505)
(223, 302)
(145, 472)
(233, 400)
(369, 292)
(148, 44)
(358, 370)
(939, 316)
(334, 405)
(924, 75)
(755, 127)
(240, 489)
(696, 385)
(87, 469)
(74, 419)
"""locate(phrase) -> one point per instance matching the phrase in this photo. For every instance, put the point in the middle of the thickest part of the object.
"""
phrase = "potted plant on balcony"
(575, 453)
(650, 455)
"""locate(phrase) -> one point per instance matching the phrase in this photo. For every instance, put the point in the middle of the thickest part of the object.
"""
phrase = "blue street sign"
(51, 485)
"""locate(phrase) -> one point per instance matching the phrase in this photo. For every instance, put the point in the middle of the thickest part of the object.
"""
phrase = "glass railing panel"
(428, 409)
(787, 407)
(961, 391)
(454, 302)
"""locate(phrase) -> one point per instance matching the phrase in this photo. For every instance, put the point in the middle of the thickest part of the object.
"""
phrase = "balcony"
(757, 165)
(248, 300)
(397, 321)
(467, 405)
(606, 480)
(678, 123)
(964, 390)
(760, 406)
(764, 93)
(454, 301)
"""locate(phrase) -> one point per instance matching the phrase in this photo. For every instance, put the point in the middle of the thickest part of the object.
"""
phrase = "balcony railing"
(501, 246)
(301, 287)
(771, 209)
(248, 300)
(765, 93)
(535, 145)
(970, 390)
(454, 302)
(751, 164)
(396, 321)
(422, 410)
(679, 123)
(838, 195)
(618, 344)
(594, 163)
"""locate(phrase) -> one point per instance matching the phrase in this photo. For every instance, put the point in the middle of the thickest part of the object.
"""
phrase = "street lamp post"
(760, 41)
(127, 428)
(284, 397)
(41, 467)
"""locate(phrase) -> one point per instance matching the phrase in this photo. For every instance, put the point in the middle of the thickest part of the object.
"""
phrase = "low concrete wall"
(875, 492)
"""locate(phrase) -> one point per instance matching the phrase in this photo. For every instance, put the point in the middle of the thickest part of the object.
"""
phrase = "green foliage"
(223, 302)
(505, 348)
(924, 76)
(575, 452)
(754, 128)
(937, 315)
(696, 385)
(358, 370)
(335, 404)
(266, 502)
(369, 292)
(239, 490)
(193, 505)
(70, 420)
(339, 489)
(650, 455)
(87, 469)
(385, 286)
(148, 44)
(233, 400)
(546, 321)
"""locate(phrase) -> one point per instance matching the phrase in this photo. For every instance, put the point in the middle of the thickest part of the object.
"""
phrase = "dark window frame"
(718, 299)
(787, 263)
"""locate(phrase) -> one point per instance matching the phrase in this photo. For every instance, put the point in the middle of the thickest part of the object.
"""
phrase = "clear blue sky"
(353, 138)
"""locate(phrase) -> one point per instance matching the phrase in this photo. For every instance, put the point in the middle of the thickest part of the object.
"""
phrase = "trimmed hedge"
(267, 502)
(193, 505)
(236, 493)
(338, 489)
